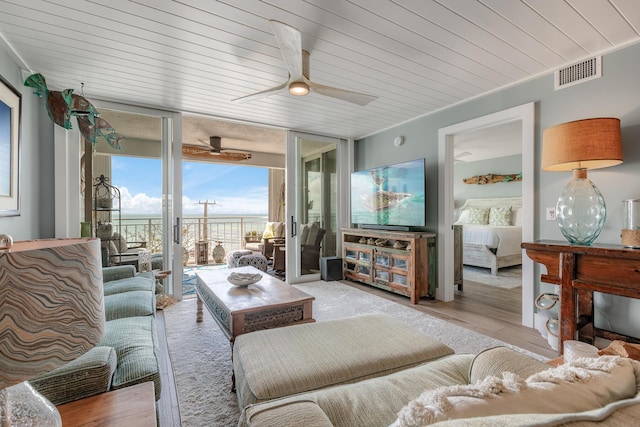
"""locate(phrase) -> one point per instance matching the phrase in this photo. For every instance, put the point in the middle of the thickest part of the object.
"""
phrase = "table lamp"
(578, 146)
(51, 312)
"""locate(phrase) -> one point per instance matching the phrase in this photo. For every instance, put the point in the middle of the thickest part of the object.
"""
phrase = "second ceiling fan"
(296, 60)
(214, 149)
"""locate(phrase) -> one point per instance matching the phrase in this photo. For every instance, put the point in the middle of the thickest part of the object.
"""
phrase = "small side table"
(133, 406)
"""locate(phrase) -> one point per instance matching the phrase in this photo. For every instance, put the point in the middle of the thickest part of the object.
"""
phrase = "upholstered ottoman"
(233, 256)
(274, 363)
(258, 261)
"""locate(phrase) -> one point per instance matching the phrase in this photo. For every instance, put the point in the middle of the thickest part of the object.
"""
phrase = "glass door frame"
(70, 208)
(293, 211)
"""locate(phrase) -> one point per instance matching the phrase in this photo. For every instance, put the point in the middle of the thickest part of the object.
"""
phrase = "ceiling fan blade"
(203, 153)
(289, 41)
(232, 155)
(261, 94)
(361, 99)
(195, 150)
(296, 59)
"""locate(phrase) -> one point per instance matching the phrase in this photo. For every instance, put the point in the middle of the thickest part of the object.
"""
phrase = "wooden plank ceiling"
(416, 56)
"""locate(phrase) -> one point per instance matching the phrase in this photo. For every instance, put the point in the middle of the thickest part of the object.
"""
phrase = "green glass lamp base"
(21, 405)
(581, 210)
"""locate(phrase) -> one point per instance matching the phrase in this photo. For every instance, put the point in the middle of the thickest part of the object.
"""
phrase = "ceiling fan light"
(298, 88)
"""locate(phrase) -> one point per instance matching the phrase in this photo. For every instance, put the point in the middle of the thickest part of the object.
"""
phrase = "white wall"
(37, 190)
(616, 94)
(501, 165)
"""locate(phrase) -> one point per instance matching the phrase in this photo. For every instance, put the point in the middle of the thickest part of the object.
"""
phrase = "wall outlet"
(551, 214)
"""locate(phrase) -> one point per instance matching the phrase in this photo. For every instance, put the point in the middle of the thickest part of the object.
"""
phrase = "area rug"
(507, 277)
(201, 355)
(189, 276)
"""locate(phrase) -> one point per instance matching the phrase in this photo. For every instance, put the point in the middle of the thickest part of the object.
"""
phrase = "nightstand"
(133, 406)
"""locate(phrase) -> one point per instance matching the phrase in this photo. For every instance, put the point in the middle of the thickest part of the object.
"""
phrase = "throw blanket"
(582, 385)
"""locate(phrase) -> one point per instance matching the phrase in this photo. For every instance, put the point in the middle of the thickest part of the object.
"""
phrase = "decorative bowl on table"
(243, 279)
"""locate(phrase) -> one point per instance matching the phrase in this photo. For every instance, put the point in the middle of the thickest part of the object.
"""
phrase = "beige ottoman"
(274, 363)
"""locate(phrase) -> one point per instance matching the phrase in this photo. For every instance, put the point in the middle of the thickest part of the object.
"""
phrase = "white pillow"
(516, 216)
(582, 385)
(464, 217)
(270, 230)
(121, 242)
(113, 249)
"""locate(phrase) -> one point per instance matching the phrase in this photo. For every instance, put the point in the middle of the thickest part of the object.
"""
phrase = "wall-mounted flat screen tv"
(389, 196)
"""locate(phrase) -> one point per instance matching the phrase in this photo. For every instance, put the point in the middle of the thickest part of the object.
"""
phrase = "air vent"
(578, 73)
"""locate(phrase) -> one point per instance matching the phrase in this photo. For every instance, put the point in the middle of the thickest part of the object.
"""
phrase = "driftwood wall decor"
(492, 178)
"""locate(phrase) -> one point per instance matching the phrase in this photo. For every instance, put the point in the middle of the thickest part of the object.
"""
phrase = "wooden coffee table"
(269, 303)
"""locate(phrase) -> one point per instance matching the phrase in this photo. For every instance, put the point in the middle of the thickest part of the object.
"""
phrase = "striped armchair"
(128, 353)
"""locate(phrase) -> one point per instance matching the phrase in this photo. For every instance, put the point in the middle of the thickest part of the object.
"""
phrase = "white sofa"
(532, 393)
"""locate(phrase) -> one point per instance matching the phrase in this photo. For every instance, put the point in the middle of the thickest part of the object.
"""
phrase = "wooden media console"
(403, 262)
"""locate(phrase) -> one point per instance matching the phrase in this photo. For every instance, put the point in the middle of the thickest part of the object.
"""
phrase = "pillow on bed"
(500, 216)
(516, 216)
(478, 216)
(464, 217)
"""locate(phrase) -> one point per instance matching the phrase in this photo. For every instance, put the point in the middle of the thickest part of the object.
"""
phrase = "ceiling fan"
(296, 60)
(215, 149)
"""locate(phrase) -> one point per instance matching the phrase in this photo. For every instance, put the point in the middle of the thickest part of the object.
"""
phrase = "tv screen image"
(389, 195)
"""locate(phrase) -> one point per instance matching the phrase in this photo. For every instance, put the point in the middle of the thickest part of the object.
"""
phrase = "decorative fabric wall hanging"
(492, 178)
(61, 106)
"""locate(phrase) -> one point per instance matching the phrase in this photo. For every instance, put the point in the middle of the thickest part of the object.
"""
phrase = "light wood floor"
(482, 308)
(167, 406)
(485, 309)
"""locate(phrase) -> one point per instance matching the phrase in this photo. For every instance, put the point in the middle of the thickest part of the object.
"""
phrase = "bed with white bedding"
(491, 232)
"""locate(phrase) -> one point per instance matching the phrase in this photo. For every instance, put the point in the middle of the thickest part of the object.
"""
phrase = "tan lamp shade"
(51, 303)
(589, 144)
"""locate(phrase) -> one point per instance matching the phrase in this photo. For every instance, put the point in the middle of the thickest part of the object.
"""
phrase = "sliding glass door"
(312, 204)
(147, 170)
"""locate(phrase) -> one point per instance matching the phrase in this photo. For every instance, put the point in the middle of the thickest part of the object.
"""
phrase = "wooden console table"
(580, 271)
(133, 406)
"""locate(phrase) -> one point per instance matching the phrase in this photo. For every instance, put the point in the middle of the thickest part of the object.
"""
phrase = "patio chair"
(122, 252)
(273, 232)
(310, 245)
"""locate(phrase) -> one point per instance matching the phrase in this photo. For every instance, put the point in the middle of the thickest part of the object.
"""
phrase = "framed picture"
(10, 110)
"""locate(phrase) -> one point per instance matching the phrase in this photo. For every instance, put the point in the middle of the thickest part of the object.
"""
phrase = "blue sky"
(235, 189)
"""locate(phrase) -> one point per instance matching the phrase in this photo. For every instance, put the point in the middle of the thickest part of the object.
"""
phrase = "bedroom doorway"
(526, 115)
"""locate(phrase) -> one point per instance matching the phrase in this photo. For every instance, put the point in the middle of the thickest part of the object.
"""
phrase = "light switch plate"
(551, 214)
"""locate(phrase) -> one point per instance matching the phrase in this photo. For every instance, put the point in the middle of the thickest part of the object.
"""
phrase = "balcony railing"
(229, 231)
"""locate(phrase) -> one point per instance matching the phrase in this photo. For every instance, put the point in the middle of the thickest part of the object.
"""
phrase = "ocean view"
(228, 230)
(144, 218)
